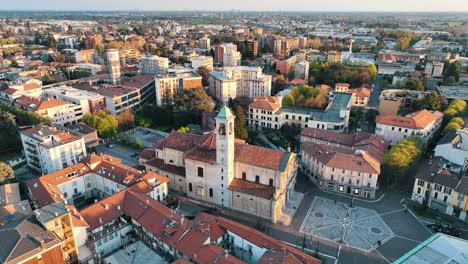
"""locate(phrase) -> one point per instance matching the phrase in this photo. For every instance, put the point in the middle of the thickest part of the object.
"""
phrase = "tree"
(105, 124)
(291, 73)
(372, 70)
(184, 129)
(6, 172)
(126, 120)
(239, 124)
(454, 124)
(413, 83)
(430, 101)
(401, 157)
(452, 72)
(205, 74)
(9, 137)
(48, 79)
(455, 108)
(288, 101)
(194, 99)
(403, 42)
(316, 43)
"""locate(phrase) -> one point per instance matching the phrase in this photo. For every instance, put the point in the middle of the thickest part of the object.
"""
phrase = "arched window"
(222, 129)
(211, 192)
(190, 187)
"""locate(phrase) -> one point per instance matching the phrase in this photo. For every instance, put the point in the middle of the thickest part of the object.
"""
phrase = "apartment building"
(58, 111)
(343, 163)
(395, 128)
(222, 49)
(153, 65)
(232, 58)
(49, 148)
(239, 81)
(361, 95)
(205, 61)
(268, 112)
(166, 85)
(443, 186)
(284, 66)
(89, 102)
(204, 43)
(127, 93)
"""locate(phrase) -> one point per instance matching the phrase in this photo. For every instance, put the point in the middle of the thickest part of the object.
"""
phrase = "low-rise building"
(85, 56)
(347, 163)
(443, 186)
(89, 102)
(454, 147)
(395, 128)
(268, 112)
(49, 148)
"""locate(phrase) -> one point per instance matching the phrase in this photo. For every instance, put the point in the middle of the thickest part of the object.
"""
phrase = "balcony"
(106, 231)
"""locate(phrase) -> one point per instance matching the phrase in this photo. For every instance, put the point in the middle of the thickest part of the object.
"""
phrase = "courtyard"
(355, 227)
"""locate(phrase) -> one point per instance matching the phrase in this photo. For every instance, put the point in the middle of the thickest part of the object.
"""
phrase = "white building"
(268, 112)
(346, 163)
(239, 81)
(232, 58)
(204, 43)
(89, 102)
(206, 61)
(434, 69)
(302, 70)
(154, 65)
(49, 148)
(168, 84)
(396, 128)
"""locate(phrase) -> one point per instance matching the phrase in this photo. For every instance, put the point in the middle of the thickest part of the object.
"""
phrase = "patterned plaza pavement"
(355, 227)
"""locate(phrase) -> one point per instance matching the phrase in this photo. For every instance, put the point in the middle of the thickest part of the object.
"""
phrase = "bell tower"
(225, 150)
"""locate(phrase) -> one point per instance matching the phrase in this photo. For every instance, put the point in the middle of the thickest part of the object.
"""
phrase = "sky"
(248, 5)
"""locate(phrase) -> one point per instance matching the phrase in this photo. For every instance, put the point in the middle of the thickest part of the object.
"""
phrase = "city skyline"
(293, 5)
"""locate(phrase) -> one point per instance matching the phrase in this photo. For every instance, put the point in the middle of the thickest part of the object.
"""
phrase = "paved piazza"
(355, 227)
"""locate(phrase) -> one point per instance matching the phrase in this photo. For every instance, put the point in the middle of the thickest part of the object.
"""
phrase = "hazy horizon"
(241, 5)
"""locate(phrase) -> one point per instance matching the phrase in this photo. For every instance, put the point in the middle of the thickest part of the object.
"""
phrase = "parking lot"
(127, 155)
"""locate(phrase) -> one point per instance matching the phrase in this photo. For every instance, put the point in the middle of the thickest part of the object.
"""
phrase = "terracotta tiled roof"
(104, 211)
(252, 188)
(181, 261)
(255, 155)
(268, 103)
(343, 159)
(361, 92)
(31, 86)
(9, 91)
(342, 84)
(417, 120)
(147, 154)
(181, 141)
(37, 104)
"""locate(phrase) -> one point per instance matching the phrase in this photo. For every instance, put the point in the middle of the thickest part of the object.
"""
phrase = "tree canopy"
(454, 124)
(105, 124)
(331, 73)
(126, 120)
(307, 97)
(9, 137)
(6, 172)
(194, 99)
(239, 124)
(430, 101)
(401, 157)
(456, 108)
(413, 83)
(205, 74)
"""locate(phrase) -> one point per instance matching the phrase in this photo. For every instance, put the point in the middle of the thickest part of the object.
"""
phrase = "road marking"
(388, 261)
(402, 237)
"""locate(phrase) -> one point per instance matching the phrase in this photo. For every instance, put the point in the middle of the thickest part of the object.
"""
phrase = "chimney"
(56, 213)
(100, 220)
(42, 242)
(106, 206)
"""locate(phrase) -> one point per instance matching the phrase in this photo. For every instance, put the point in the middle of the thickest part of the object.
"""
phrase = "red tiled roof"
(268, 103)
(147, 154)
(159, 163)
(256, 156)
(417, 120)
(252, 188)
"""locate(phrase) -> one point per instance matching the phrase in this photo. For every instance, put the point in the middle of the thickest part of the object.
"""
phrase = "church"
(218, 169)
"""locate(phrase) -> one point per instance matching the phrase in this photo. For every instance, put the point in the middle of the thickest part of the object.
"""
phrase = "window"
(271, 182)
(200, 172)
(436, 194)
(211, 192)
(190, 187)
(244, 175)
(421, 183)
(257, 179)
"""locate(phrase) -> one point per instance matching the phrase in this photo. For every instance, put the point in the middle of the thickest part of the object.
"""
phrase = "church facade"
(221, 170)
